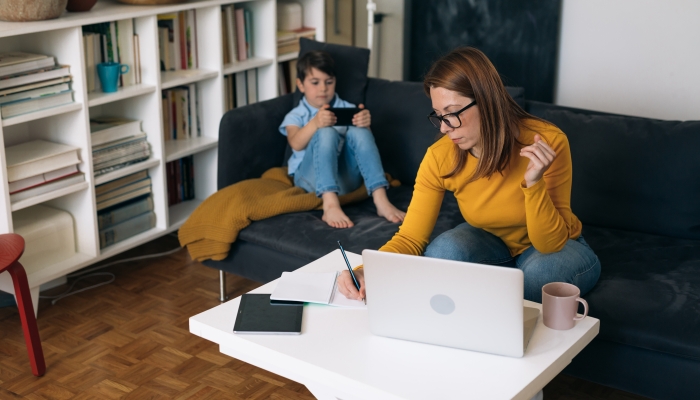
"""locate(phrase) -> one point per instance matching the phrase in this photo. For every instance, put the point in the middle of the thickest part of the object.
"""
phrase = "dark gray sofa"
(636, 188)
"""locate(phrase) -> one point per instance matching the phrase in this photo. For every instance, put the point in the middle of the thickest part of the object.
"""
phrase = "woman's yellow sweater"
(521, 217)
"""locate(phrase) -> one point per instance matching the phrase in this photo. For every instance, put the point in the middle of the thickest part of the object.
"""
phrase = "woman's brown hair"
(470, 73)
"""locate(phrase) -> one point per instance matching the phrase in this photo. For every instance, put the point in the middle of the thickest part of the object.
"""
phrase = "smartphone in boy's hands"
(344, 115)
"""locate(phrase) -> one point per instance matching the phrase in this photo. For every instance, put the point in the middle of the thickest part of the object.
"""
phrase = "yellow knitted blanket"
(211, 229)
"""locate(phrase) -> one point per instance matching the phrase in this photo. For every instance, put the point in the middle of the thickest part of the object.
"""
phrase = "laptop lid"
(448, 303)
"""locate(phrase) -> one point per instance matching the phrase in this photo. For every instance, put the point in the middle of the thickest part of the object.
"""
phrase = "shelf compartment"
(175, 149)
(49, 196)
(47, 112)
(49, 272)
(170, 79)
(99, 98)
(131, 242)
(287, 56)
(255, 62)
(130, 169)
(180, 212)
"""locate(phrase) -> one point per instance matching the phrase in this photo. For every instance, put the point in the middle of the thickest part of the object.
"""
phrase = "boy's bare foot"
(385, 208)
(333, 215)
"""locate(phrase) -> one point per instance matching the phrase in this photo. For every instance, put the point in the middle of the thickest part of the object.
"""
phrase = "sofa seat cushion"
(306, 236)
(648, 294)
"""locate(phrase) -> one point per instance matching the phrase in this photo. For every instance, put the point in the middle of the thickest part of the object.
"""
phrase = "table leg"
(321, 393)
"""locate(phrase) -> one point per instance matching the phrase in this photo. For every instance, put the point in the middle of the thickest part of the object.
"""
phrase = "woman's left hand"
(362, 119)
(541, 157)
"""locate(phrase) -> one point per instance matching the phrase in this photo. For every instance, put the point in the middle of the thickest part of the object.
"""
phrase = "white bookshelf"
(69, 124)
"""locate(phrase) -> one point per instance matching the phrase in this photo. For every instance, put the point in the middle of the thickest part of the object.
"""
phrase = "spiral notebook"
(313, 287)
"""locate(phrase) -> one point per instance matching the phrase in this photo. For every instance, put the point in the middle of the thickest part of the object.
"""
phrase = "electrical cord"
(90, 273)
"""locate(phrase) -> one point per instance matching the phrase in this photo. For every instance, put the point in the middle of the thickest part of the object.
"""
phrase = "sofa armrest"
(250, 142)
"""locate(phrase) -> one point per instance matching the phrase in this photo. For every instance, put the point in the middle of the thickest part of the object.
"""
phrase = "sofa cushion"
(648, 294)
(634, 173)
(351, 66)
(306, 236)
(401, 127)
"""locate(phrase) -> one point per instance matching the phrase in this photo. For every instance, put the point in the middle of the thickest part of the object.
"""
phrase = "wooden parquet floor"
(130, 340)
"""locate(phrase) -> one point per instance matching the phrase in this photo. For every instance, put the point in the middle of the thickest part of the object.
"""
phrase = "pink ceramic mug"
(559, 304)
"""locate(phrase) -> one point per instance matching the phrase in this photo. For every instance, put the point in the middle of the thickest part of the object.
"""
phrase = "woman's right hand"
(324, 117)
(347, 286)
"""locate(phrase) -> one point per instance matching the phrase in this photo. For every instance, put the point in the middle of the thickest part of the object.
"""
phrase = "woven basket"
(151, 2)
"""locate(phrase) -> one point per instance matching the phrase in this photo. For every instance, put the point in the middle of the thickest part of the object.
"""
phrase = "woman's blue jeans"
(332, 164)
(576, 263)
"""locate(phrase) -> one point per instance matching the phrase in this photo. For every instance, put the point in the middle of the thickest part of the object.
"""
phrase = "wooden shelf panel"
(175, 149)
(255, 62)
(99, 98)
(170, 79)
(287, 57)
(130, 169)
(49, 196)
(47, 112)
(179, 213)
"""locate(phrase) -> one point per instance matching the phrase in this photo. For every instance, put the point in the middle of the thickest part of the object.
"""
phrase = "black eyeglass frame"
(442, 119)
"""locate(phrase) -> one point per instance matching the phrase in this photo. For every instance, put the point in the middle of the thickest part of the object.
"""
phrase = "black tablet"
(257, 316)
(344, 115)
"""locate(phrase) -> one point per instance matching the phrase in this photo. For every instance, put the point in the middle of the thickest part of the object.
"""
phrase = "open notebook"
(313, 287)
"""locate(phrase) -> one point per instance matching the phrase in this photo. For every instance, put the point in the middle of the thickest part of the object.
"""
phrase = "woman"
(511, 175)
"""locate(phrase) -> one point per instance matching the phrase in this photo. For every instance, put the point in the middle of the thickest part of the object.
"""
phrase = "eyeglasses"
(452, 119)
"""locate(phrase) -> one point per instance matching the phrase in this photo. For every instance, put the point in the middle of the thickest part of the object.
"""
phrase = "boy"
(331, 160)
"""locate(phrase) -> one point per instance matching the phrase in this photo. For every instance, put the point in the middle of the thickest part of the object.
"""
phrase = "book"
(193, 115)
(137, 59)
(124, 160)
(312, 287)
(134, 226)
(17, 62)
(225, 36)
(90, 68)
(106, 170)
(231, 34)
(47, 187)
(109, 129)
(25, 106)
(248, 17)
(107, 158)
(252, 85)
(241, 91)
(123, 190)
(117, 183)
(23, 88)
(166, 117)
(37, 157)
(34, 93)
(124, 211)
(36, 75)
(163, 48)
(125, 49)
(123, 197)
(242, 53)
(36, 180)
(114, 144)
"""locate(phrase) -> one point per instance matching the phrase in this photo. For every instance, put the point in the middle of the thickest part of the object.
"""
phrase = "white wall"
(634, 57)
(389, 40)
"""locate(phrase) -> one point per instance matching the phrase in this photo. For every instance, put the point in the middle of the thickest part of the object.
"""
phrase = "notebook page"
(311, 287)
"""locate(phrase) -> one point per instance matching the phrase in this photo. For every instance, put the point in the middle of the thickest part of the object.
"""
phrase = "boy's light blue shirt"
(300, 116)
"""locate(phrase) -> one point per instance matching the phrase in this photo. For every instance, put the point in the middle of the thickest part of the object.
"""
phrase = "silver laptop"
(448, 303)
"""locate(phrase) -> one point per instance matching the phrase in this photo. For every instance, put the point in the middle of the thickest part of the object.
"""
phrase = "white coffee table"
(336, 356)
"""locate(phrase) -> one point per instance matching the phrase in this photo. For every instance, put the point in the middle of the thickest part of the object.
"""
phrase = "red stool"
(11, 249)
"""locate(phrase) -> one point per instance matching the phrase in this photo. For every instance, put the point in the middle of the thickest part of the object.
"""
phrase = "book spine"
(127, 229)
(248, 33)
(124, 213)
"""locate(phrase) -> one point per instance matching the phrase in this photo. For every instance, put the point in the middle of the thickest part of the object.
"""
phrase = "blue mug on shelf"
(109, 75)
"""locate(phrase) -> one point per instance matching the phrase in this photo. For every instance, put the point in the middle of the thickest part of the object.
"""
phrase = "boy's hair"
(318, 59)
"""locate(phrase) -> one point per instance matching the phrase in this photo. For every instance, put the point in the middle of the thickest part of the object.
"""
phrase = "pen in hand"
(352, 273)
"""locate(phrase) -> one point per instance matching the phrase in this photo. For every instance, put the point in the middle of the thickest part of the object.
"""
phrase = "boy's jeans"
(576, 263)
(330, 166)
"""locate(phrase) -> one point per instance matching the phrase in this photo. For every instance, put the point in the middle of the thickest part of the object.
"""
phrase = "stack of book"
(177, 41)
(288, 41)
(181, 112)
(237, 34)
(180, 179)
(116, 143)
(287, 75)
(32, 82)
(124, 208)
(241, 88)
(111, 42)
(38, 167)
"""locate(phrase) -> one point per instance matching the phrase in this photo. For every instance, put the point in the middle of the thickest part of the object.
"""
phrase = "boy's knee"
(326, 134)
